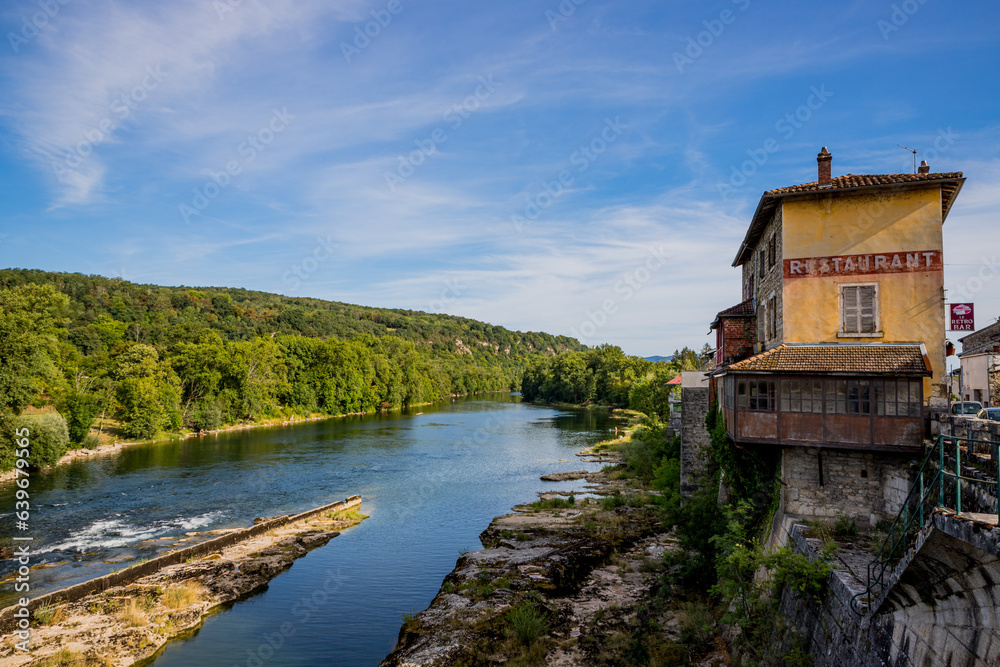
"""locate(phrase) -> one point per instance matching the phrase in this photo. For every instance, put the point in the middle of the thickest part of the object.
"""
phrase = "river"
(431, 479)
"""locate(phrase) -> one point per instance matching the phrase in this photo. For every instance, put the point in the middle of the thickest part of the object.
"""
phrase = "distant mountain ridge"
(659, 358)
(164, 315)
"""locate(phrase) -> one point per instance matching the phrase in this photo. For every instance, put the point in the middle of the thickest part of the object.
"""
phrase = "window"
(756, 395)
(760, 262)
(772, 317)
(859, 311)
(772, 251)
(762, 323)
(898, 398)
(848, 397)
(802, 395)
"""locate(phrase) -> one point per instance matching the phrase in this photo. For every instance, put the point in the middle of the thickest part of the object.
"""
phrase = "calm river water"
(431, 482)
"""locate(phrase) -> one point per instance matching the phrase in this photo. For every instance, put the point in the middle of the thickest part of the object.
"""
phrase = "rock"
(318, 538)
(565, 476)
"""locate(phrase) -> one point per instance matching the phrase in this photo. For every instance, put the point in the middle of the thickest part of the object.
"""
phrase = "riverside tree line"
(82, 354)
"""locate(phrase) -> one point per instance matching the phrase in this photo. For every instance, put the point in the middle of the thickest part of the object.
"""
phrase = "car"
(965, 407)
(991, 414)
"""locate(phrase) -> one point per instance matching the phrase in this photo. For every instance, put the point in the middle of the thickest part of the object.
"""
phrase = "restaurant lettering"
(855, 265)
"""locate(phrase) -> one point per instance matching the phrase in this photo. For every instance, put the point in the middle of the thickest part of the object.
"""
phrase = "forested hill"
(159, 315)
(84, 355)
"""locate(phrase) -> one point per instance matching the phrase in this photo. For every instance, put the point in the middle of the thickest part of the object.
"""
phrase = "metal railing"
(951, 461)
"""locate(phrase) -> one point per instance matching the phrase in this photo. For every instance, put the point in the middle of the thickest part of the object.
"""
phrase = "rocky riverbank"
(128, 624)
(561, 582)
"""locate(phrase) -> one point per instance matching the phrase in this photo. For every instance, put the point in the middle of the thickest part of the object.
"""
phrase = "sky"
(580, 167)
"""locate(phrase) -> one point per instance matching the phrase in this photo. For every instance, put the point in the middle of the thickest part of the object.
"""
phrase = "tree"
(148, 392)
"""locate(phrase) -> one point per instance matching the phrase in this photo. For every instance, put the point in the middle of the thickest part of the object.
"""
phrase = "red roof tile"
(846, 358)
(742, 309)
(850, 181)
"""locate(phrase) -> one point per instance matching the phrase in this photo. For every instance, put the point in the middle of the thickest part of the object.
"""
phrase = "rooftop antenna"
(914, 156)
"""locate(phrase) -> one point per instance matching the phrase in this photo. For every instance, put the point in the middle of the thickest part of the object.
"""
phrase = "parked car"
(966, 407)
(991, 414)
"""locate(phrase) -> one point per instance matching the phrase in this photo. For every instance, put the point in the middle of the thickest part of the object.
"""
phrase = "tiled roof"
(742, 309)
(950, 182)
(859, 359)
(864, 180)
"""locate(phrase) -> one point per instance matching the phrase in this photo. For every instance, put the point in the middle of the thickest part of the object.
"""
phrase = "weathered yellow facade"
(896, 224)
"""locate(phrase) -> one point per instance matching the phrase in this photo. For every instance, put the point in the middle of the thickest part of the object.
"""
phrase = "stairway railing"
(951, 461)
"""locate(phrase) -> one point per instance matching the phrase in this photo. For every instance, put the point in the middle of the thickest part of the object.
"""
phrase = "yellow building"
(845, 276)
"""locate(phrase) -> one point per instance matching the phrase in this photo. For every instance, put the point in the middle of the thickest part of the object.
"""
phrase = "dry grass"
(132, 614)
(48, 615)
(183, 595)
(67, 658)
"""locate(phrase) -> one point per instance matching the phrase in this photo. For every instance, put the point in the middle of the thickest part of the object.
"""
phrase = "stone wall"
(969, 427)
(865, 486)
(771, 281)
(133, 573)
(981, 337)
(695, 439)
(831, 631)
(942, 610)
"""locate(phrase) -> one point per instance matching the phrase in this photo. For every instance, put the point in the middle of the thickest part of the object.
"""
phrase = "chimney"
(823, 160)
(924, 168)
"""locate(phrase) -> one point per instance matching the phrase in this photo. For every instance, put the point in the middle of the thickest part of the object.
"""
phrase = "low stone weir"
(133, 573)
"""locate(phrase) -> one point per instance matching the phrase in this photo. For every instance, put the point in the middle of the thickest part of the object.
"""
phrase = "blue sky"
(577, 168)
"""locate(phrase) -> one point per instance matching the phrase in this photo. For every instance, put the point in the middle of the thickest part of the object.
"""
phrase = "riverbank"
(108, 448)
(125, 624)
(565, 581)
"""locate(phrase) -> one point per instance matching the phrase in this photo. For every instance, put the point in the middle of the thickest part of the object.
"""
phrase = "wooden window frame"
(843, 332)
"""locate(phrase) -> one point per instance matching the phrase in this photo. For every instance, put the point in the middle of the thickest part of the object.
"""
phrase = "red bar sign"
(962, 317)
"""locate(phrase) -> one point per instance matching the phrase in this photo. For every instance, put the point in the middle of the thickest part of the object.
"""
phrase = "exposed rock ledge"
(588, 569)
(565, 476)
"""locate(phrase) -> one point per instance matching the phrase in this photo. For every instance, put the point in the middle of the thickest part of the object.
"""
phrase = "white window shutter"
(849, 304)
(867, 294)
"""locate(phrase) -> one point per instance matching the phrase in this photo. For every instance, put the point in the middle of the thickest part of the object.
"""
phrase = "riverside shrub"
(48, 436)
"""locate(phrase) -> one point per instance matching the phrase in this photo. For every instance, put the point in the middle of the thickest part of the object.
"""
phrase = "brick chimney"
(924, 168)
(823, 160)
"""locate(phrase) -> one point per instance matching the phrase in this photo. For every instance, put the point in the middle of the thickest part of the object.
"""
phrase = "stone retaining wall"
(153, 565)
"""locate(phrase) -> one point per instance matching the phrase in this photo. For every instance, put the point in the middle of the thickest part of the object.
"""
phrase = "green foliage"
(28, 317)
(554, 504)
(161, 358)
(527, 623)
(605, 375)
(803, 577)
(649, 446)
(845, 527)
(79, 408)
(48, 437)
